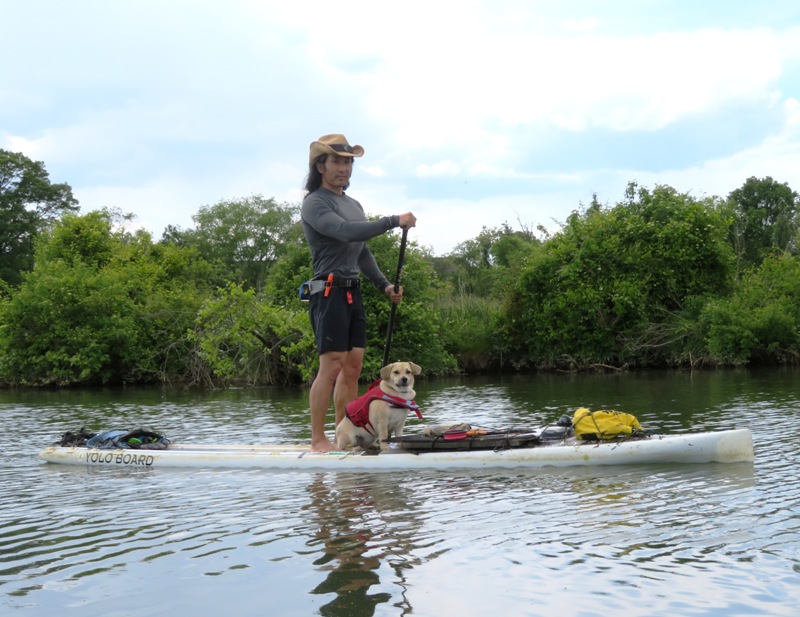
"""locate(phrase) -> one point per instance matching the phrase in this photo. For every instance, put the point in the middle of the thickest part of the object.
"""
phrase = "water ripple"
(665, 539)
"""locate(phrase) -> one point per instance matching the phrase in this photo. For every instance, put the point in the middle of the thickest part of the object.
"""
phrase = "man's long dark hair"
(314, 178)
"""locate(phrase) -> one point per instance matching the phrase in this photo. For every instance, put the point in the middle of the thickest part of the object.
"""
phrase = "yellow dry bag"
(602, 424)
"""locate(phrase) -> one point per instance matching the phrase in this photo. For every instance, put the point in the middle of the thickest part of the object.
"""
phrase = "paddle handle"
(400, 259)
(393, 310)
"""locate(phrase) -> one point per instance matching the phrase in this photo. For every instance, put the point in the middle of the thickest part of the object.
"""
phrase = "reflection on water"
(650, 540)
(366, 523)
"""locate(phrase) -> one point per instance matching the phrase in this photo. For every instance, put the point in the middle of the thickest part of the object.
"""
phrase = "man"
(337, 230)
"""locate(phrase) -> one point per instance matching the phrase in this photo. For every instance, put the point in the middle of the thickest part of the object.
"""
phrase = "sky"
(472, 114)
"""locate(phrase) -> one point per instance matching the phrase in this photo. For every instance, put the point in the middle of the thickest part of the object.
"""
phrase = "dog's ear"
(386, 371)
(415, 368)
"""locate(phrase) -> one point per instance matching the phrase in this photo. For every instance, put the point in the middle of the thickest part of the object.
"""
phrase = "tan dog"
(381, 411)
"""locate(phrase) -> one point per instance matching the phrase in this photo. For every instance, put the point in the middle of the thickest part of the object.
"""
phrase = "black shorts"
(338, 325)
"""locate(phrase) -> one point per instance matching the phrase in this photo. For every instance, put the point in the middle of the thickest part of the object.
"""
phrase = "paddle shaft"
(458, 434)
(393, 310)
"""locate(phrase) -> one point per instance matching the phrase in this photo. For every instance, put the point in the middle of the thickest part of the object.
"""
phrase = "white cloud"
(444, 223)
(624, 84)
(373, 170)
(442, 168)
(778, 156)
(162, 116)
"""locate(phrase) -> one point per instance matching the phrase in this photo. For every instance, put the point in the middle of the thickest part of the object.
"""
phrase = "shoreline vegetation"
(660, 279)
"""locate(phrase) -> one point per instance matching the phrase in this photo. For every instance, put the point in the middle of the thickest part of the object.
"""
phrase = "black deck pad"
(495, 441)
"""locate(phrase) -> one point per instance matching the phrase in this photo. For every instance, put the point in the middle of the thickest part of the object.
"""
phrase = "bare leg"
(346, 388)
(319, 398)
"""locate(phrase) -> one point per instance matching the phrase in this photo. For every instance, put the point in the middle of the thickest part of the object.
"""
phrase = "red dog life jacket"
(358, 410)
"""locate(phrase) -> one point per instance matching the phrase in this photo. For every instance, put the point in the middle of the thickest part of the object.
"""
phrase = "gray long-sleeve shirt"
(337, 230)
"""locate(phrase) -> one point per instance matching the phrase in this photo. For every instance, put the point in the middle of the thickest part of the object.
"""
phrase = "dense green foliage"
(614, 286)
(476, 281)
(243, 239)
(100, 306)
(660, 279)
(104, 305)
(238, 338)
(760, 321)
(766, 219)
(28, 203)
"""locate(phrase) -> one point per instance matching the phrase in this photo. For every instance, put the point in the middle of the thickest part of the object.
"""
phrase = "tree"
(767, 219)
(478, 275)
(29, 202)
(760, 321)
(238, 337)
(472, 262)
(611, 286)
(101, 306)
(245, 237)
(293, 268)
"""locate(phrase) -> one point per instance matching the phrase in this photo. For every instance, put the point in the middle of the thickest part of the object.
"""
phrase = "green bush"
(239, 338)
(100, 306)
(594, 292)
(760, 321)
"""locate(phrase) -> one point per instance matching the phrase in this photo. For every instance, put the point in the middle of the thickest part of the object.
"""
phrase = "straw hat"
(333, 144)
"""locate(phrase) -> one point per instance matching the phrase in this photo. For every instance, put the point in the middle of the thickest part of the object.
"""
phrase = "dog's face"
(400, 375)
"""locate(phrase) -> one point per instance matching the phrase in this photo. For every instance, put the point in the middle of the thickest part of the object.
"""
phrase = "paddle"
(393, 310)
(459, 434)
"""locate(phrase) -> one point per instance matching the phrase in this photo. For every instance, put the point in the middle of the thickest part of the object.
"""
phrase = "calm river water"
(653, 540)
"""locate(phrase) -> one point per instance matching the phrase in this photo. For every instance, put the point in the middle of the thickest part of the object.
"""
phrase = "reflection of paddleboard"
(731, 446)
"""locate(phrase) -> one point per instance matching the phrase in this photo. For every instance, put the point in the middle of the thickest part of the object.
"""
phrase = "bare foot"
(322, 445)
